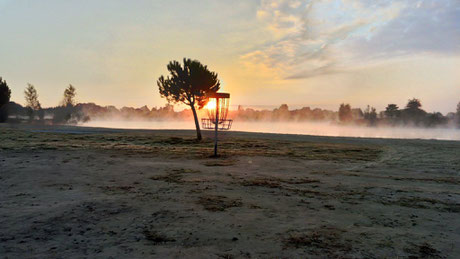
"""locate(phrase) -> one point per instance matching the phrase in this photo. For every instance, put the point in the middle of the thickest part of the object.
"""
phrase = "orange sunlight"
(211, 105)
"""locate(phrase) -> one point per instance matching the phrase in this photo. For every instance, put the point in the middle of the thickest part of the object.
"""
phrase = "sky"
(316, 53)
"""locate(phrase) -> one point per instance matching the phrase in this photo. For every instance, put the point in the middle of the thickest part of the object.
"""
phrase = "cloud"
(423, 27)
(316, 37)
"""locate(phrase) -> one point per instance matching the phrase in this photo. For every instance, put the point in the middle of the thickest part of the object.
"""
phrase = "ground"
(84, 192)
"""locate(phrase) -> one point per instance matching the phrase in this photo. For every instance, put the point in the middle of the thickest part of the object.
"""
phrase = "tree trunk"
(197, 124)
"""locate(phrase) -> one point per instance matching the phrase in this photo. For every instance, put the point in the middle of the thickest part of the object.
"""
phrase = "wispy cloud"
(316, 37)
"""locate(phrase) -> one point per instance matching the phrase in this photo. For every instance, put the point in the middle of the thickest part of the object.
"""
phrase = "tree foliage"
(370, 114)
(413, 114)
(31, 96)
(345, 114)
(5, 95)
(32, 104)
(392, 111)
(69, 96)
(189, 83)
(413, 104)
(458, 114)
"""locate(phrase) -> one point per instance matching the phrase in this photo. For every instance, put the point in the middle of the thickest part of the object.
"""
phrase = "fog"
(304, 128)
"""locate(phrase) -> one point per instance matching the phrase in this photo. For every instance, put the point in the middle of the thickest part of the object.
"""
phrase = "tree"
(189, 84)
(69, 96)
(5, 95)
(32, 103)
(435, 119)
(392, 111)
(413, 104)
(370, 114)
(458, 113)
(412, 113)
(345, 114)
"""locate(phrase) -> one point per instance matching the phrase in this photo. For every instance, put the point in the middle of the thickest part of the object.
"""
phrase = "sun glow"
(211, 105)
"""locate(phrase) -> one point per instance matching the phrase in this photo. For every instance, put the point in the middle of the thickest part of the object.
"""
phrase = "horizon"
(234, 107)
(310, 53)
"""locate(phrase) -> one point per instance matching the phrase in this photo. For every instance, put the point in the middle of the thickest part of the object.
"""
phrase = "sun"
(211, 105)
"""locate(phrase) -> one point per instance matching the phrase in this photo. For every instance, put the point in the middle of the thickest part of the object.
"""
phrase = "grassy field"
(89, 192)
(181, 144)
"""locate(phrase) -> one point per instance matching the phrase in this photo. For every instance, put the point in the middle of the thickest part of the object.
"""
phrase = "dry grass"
(174, 176)
(325, 241)
(218, 202)
(424, 250)
(164, 144)
(156, 237)
(220, 162)
(274, 182)
(425, 203)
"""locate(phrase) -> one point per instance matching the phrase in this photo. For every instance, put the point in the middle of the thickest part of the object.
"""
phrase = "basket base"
(208, 124)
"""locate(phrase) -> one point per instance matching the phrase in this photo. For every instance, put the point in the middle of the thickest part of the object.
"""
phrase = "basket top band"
(218, 95)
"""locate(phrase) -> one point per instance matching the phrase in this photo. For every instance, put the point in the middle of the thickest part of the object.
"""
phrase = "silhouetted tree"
(435, 119)
(68, 112)
(32, 104)
(412, 113)
(458, 113)
(392, 111)
(357, 113)
(370, 114)
(5, 95)
(345, 114)
(413, 104)
(189, 84)
(281, 113)
(69, 96)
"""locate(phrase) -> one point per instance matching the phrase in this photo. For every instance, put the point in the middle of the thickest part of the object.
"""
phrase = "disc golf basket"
(217, 115)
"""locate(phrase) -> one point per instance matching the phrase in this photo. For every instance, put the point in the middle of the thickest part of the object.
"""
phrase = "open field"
(89, 192)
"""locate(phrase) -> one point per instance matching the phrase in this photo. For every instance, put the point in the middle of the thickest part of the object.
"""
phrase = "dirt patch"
(218, 203)
(274, 182)
(262, 182)
(220, 162)
(174, 176)
(117, 189)
(424, 250)
(322, 241)
(156, 237)
(425, 203)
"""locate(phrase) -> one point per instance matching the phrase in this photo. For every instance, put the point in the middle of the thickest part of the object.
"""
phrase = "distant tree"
(5, 95)
(413, 104)
(370, 114)
(190, 84)
(32, 104)
(68, 112)
(281, 113)
(392, 111)
(413, 112)
(458, 113)
(345, 114)
(357, 113)
(435, 119)
(69, 96)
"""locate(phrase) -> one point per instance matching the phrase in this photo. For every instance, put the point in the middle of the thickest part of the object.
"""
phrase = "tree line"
(33, 111)
(191, 83)
(411, 115)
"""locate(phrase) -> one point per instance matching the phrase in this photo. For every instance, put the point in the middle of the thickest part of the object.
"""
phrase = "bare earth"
(70, 192)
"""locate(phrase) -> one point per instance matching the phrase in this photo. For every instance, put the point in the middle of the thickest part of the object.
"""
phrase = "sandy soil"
(80, 192)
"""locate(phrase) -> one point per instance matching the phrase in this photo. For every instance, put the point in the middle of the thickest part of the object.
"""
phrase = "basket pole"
(216, 127)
